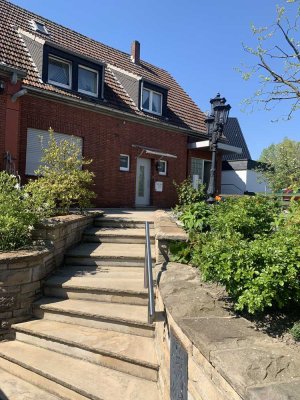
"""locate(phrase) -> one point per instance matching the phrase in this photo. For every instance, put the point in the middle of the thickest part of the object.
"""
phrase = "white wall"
(237, 182)
(233, 182)
(254, 183)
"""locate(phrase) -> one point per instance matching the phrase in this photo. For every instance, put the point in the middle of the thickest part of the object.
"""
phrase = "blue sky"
(198, 41)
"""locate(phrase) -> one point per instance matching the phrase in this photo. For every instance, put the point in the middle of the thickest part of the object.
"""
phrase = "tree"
(62, 181)
(282, 162)
(278, 64)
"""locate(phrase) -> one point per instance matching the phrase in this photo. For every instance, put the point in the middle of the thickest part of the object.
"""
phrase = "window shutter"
(36, 141)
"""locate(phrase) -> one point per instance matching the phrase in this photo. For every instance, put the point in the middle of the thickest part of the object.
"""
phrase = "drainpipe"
(20, 93)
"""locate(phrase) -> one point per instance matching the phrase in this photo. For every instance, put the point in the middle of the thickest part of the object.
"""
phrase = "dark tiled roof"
(15, 52)
(240, 165)
(236, 138)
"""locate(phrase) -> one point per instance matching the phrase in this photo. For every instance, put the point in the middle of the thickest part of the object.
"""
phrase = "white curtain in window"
(156, 102)
(87, 80)
(59, 71)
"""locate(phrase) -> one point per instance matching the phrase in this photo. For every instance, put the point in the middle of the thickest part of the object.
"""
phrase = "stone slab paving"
(112, 282)
(12, 387)
(127, 213)
(256, 366)
(99, 383)
(113, 232)
(109, 250)
(120, 312)
(138, 349)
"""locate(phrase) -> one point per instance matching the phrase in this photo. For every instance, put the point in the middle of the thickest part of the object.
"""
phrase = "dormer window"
(70, 71)
(88, 80)
(152, 101)
(40, 27)
(59, 72)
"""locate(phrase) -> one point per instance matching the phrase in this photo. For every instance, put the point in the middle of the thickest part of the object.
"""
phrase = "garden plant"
(62, 183)
(249, 244)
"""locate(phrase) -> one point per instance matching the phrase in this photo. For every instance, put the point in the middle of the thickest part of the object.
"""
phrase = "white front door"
(143, 172)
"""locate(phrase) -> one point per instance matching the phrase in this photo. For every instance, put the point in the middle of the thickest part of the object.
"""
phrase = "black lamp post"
(215, 123)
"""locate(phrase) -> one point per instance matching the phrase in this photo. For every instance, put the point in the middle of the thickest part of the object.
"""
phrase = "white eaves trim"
(204, 144)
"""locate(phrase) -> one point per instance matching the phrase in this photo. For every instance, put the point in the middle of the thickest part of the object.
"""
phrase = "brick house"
(141, 129)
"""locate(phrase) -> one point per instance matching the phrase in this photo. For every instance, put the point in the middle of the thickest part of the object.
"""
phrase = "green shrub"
(187, 194)
(258, 274)
(249, 245)
(62, 182)
(16, 218)
(295, 331)
(180, 252)
(248, 215)
(196, 217)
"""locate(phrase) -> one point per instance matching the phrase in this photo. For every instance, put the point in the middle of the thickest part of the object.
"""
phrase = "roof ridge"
(77, 33)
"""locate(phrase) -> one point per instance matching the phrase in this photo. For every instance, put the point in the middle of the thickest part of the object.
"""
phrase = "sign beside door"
(143, 175)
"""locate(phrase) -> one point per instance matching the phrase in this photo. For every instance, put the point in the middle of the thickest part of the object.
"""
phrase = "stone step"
(14, 388)
(113, 254)
(120, 222)
(132, 354)
(125, 318)
(105, 284)
(116, 235)
(71, 378)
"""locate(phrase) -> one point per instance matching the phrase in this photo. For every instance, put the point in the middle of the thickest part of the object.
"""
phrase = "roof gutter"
(15, 73)
(117, 113)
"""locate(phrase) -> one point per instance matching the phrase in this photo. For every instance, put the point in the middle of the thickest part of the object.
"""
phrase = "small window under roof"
(40, 27)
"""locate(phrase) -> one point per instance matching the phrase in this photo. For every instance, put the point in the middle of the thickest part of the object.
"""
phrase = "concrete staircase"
(91, 338)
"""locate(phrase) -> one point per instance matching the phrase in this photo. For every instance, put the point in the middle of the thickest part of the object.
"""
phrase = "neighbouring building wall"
(233, 182)
(238, 182)
(254, 183)
(104, 139)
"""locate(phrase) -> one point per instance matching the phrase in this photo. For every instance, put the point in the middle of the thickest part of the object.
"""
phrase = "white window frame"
(163, 173)
(150, 101)
(70, 72)
(86, 91)
(128, 163)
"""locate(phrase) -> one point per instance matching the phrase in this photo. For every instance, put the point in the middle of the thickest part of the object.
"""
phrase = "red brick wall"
(2, 128)
(105, 138)
(9, 123)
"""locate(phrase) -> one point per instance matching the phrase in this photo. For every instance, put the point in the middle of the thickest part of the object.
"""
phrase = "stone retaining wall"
(166, 230)
(227, 358)
(22, 272)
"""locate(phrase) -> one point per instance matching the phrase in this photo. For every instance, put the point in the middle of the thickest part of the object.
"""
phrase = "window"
(59, 72)
(162, 167)
(200, 171)
(36, 141)
(87, 80)
(40, 27)
(152, 101)
(70, 71)
(124, 162)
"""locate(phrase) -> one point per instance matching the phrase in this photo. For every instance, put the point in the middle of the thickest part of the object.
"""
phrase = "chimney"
(135, 51)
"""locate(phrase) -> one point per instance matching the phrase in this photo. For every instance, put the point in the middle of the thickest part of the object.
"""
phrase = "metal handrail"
(148, 276)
